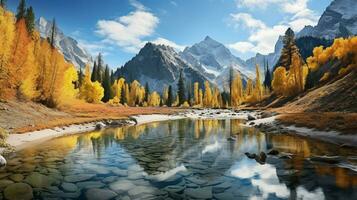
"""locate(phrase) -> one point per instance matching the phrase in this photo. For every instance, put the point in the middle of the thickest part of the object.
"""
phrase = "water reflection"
(185, 159)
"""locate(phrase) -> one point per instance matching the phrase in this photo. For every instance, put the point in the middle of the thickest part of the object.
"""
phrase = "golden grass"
(344, 122)
(80, 112)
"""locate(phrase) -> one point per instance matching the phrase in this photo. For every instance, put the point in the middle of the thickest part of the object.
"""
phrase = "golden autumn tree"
(258, 88)
(7, 30)
(196, 93)
(279, 81)
(68, 92)
(20, 61)
(89, 91)
(154, 99)
(165, 95)
(200, 97)
(237, 91)
(249, 88)
(207, 98)
(117, 88)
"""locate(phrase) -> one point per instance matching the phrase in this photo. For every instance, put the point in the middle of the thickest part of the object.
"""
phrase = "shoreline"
(265, 124)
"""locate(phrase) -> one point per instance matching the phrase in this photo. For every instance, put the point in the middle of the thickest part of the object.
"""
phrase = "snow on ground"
(142, 119)
(330, 136)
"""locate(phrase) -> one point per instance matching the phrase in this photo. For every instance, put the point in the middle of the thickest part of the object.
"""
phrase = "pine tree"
(123, 100)
(108, 93)
(80, 77)
(231, 77)
(112, 77)
(99, 73)
(30, 20)
(288, 50)
(170, 97)
(21, 10)
(267, 79)
(53, 34)
(3, 3)
(94, 72)
(147, 92)
(181, 89)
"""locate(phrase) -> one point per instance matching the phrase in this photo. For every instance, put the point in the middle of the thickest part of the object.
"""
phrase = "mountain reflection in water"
(186, 158)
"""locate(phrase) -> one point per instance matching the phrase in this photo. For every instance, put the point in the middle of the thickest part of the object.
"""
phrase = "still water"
(181, 159)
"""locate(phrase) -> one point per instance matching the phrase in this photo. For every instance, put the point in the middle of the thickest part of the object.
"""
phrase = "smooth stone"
(3, 175)
(69, 187)
(16, 177)
(196, 180)
(90, 184)
(38, 180)
(120, 172)
(110, 179)
(250, 117)
(18, 191)
(138, 191)
(102, 194)
(199, 193)
(174, 188)
(224, 196)
(122, 186)
(273, 152)
(5, 182)
(221, 187)
(78, 177)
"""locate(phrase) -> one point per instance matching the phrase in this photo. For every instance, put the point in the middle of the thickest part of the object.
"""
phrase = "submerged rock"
(38, 180)
(16, 177)
(326, 159)
(102, 194)
(250, 155)
(273, 152)
(69, 187)
(18, 191)
(78, 177)
(199, 193)
(250, 117)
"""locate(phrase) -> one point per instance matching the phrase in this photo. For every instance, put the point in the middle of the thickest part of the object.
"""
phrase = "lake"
(179, 159)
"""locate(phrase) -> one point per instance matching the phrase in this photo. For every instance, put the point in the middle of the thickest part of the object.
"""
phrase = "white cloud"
(241, 47)
(94, 48)
(128, 31)
(264, 37)
(174, 3)
(168, 43)
(247, 20)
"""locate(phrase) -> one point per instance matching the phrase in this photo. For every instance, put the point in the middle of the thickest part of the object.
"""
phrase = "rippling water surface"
(176, 160)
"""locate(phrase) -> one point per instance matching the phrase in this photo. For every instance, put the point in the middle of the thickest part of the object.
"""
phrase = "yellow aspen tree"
(237, 90)
(207, 99)
(7, 30)
(91, 92)
(68, 91)
(249, 88)
(19, 62)
(154, 99)
(258, 91)
(127, 93)
(196, 93)
(279, 81)
(134, 93)
(200, 97)
(165, 95)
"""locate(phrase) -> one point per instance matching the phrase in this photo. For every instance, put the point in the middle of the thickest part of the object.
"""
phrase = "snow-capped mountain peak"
(69, 47)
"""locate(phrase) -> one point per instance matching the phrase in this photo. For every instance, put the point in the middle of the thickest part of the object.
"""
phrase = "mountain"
(338, 20)
(160, 66)
(271, 58)
(70, 48)
(212, 57)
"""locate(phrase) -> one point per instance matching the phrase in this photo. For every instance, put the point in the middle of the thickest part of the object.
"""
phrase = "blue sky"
(119, 28)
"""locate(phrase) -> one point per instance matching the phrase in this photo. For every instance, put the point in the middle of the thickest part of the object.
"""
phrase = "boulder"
(2, 162)
(99, 126)
(250, 155)
(250, 117)
(38, 180)
(18, 191)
